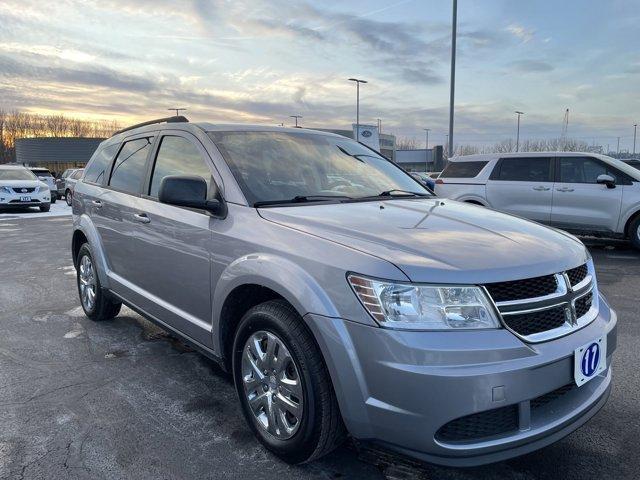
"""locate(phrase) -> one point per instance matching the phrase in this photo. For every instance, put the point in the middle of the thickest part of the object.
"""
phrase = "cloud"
(523, 34)
(531, 66)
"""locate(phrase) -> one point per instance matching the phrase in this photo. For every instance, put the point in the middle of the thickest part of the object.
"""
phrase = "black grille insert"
(542, 400)
(20, 189)
(480, 425)
(583, 304)
(576, 275)
(522, 289)
(536, 322)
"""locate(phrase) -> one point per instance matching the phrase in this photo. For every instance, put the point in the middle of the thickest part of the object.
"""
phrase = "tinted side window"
(177, 156)
(97, 169)
(585, 170)
(129, 167)
(524, 169)
(77, 174)
(462, 169)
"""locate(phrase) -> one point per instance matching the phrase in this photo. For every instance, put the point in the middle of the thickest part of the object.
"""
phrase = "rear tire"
(634, 233)
(68, 197)
(318, 428)
(93, 298)
(45, 208)
(54, 197)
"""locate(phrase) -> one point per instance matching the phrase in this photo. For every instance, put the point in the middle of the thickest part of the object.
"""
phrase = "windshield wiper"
(404, 193)
(302, 199)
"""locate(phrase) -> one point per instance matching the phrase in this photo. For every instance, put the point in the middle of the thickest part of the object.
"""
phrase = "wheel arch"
(254, 279)
(85, 232)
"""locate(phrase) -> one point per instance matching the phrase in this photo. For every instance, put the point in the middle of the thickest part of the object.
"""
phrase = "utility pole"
(177, 110)
(518, 131)
(379, 125)
(618, 149)
(358, 82)
(635, 128)
(296, 117)
(454, 23)
(426, 149)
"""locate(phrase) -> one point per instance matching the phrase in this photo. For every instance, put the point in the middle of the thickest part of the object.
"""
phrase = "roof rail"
(174, 119)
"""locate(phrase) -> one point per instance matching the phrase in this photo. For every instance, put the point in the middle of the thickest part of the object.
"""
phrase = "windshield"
(16, 174)
(273, 166)
(42, 173)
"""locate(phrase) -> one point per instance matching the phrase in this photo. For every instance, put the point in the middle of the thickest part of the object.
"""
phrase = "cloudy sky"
(261, 61)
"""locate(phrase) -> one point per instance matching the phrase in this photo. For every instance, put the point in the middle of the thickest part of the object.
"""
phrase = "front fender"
(283, 276)
(626, 215)
(84, 224)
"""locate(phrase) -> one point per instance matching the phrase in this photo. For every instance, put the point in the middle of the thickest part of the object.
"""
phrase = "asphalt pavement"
(122, 399)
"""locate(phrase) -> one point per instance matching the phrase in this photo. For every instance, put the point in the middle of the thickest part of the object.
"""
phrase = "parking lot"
(122, 399)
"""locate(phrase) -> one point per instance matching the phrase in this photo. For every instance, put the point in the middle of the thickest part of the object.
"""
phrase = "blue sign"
(590, 360)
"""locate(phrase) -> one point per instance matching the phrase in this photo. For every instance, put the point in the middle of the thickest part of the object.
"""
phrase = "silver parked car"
(70, 183)
(44, 175)
(583, 193)
(454, 334)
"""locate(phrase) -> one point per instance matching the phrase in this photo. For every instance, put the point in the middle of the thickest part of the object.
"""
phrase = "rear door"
(522, 186)
(115, 213)
(579, 202)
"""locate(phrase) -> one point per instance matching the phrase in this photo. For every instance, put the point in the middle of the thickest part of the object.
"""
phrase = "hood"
(23, 183)
(433, 240)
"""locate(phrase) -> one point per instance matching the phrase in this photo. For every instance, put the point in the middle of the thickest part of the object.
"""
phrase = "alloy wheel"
(87, 283)
(272, 385)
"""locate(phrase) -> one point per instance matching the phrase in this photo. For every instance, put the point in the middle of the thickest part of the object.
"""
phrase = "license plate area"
(590, 360)
(25, 198)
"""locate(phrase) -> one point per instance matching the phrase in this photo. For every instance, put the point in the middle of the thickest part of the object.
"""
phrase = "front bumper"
(400, 388)
(11, 200)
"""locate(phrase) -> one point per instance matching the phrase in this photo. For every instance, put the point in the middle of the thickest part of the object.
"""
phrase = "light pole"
(454, 23)
(358, 82)
(296, 117)
(177, 110)
(446, 135)
(518, 131)
(426, 149)
(635, 128)
(618, 149)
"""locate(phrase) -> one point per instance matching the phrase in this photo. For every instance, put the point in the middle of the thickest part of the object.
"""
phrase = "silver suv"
(343, 297)
(584, 193)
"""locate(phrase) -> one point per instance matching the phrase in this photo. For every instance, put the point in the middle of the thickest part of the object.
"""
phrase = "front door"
(174, 243)
(579, 202)
(522, 186)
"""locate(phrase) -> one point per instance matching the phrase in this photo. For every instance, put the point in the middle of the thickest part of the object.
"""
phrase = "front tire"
(45, 208)
(68, 197)
(95, 303)
(54, 197)
(634, 233)
(283, 384)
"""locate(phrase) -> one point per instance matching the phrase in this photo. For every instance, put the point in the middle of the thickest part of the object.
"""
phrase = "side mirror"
(607, 180)
(188, 191)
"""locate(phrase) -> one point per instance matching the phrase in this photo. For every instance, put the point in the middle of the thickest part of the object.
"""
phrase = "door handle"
(141, 217)
(96, 203)
(541, 189)
(564, 189)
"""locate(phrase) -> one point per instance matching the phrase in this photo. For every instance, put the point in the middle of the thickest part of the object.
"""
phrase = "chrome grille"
(542, 308)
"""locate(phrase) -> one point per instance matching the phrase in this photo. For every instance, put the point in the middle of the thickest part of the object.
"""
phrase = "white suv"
(20, 188)
(584, 193)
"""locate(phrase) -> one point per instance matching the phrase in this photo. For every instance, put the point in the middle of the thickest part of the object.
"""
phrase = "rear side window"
(96, 171)
(462, 169)
(129, 167)
(523, 169)
(77, 174)
(178, 156)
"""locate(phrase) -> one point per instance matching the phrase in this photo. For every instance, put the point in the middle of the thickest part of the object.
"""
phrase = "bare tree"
(407, 143)
(15, 125)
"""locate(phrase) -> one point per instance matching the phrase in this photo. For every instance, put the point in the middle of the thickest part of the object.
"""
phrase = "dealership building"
(56, 153)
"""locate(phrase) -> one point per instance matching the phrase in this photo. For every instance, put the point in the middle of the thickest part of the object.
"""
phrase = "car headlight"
(5, 190)
(425, 307)
(43, 189)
